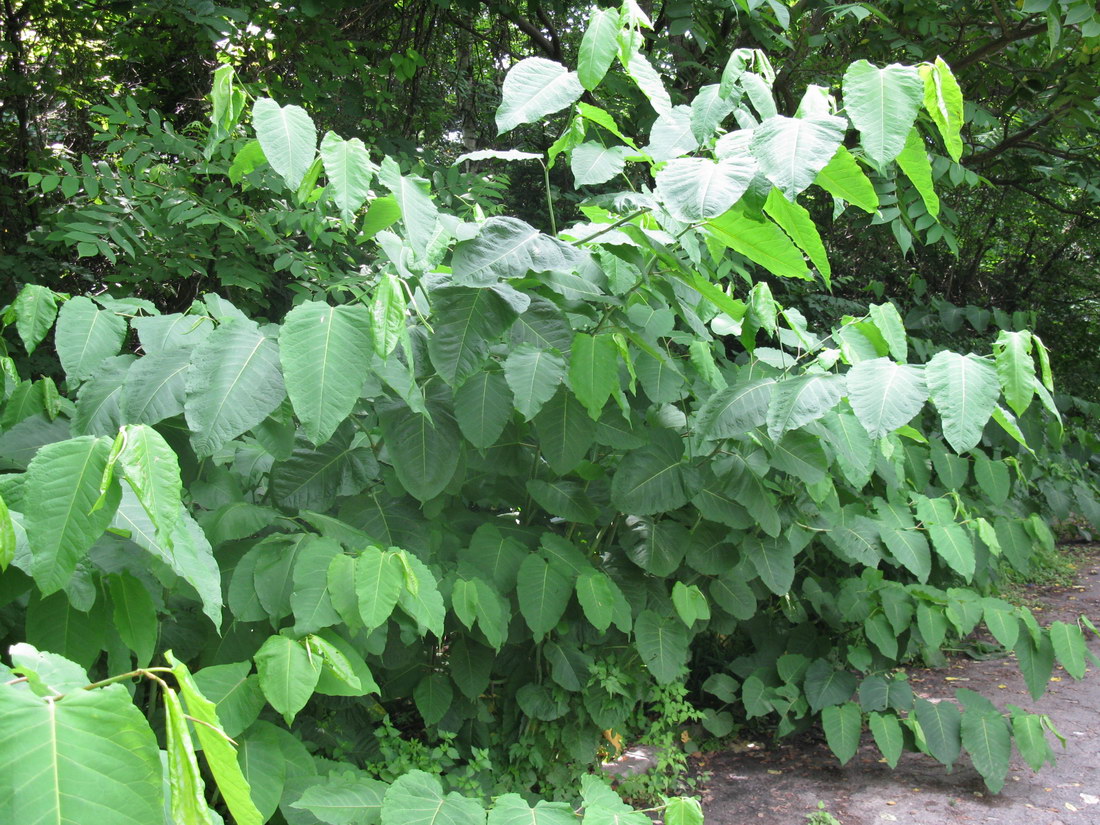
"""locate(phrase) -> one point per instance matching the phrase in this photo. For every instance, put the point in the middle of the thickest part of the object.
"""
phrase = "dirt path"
(781, 784)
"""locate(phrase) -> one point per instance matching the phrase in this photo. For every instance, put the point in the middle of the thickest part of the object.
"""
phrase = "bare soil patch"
(780, 784)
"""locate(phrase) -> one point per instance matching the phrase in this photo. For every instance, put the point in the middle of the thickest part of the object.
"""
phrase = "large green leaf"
(54, 624)
(506, 248)
(310, 601)
(543, 593)
(762, 242)
(84, 759)
(325, 353)
(851, 445)
(1015, 368)
(425, 453)
(311, 479)
(889, 323)
(825, 685)
(288, 674)
(696, 189)
(736, 409)
(35, 310)
(420, 597)
(885, 395)
(801, 455)
(941, 724)
(533, 88)
(62, 521)
(734, 595)
(344, 671)
(652, 479)
(656, 545)
(593, 370)
(798, 401)
(843, 178)
(378, 583)
(906, 543)
(413, 196)
(187, 802)
(7, 536)
(512, 809)
(465, 321)
(663, 643)
(792, 151)
(234, 692)
(795, 220)
(949, 538)
(593, 163)
(646, 78)
(344, 799)
(349, 171)
(234, 384)
(882, 103)
(149, 465)
(263, 764)
(155, 387)
(135, 615)
(433, 696)
(568, 500)
(483, 406)
(709, 109)
(533, 375)
(287, 136)
(889, 738)
(773, 559)
(185, 549)
(417, 798)
(598, 47)
(842, 724)
(1027, 730)
(162, 333)
(1069, 647)
(943, 101)
(965, 389)
(85, 336)
(471, 667)
(913, 161)
(986, 737)
(1036, 661)
(220, 755)
(671, 135)
(565, 431)
(597, 595)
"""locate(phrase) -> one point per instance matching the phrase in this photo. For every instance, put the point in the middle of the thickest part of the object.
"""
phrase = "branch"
(1080, 153)
(1014, 140)
(529, 29)
(1065, 210)
(994, 46)
(548, 24)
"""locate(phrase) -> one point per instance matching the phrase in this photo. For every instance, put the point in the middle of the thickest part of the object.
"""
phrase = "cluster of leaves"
(511, 487)
(170, 215)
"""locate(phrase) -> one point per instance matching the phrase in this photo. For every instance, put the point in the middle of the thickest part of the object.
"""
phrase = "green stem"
(549, 198)
(149, 672)
(611, 226)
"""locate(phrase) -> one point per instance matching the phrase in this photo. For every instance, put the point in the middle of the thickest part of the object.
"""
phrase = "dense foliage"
(421, 78)
(424, 506)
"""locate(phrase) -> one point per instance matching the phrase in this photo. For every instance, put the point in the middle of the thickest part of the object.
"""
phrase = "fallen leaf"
(1089, 799)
